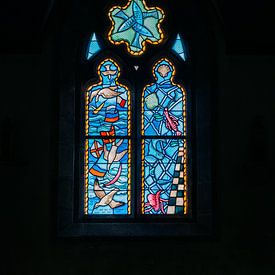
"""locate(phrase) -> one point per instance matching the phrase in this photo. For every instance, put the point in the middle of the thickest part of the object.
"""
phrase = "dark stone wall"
(244, 178)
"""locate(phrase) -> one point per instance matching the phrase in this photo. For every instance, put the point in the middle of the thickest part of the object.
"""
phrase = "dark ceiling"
(248, 25)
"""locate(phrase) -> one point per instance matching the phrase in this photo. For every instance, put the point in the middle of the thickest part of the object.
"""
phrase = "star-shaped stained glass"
(135, 24)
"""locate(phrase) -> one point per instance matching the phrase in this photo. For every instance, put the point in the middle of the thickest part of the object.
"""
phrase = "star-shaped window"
(135, 24)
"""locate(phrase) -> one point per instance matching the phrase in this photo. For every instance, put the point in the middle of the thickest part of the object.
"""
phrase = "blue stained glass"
(108, 177)
(164, 159)
(163, 104)
(108, 104)
(107, 119)
(157, 123)
(93, 47)
(100, 148)
(179, 47)
(162, 166)
(108, 158)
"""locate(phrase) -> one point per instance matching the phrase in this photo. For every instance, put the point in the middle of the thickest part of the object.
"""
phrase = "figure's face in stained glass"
(164, 158)
(163, 70)
(108, 158)
(109, 72)
(135, 24)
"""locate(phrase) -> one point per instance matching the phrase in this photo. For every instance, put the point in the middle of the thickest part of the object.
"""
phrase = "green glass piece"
(135, 25)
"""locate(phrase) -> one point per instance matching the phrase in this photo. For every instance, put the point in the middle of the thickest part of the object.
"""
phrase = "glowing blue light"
(179, 48)
(93, 47)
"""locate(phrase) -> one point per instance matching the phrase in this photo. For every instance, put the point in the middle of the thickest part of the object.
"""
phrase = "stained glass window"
(108, 144)
(135, 138)
(164, 146)
(159, 186)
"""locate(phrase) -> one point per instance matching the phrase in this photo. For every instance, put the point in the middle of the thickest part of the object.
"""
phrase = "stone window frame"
(70, 219)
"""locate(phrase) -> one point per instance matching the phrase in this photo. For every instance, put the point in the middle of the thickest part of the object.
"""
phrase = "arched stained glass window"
(164, 146)
(108, 144)
(162, 185)
(139, 148)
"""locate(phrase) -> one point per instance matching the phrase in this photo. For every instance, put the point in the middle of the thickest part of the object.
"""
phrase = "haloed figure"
(108, 117)
(163, 117)
(108, 102)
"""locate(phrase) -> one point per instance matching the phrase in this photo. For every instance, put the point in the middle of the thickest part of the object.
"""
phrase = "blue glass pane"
(164, 169)
(93, 47)
(112, 120)
(108, 177)
(164, 164)
(163, 123)
(179, 47)
(163, 104)
(108, 104)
